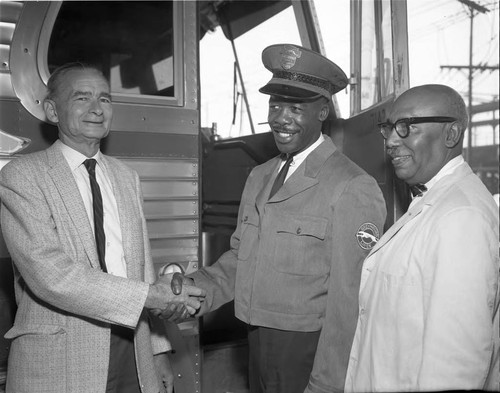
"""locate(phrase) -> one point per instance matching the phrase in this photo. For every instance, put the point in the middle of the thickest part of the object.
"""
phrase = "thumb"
(176, 284)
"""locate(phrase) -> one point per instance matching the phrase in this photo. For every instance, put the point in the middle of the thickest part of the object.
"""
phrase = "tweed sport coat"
(295, 259)
(61, 333)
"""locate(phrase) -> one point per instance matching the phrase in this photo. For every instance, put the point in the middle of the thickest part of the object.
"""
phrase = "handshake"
(174, 297)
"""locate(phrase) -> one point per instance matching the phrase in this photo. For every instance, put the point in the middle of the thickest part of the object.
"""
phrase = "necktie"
(100, 237)
(417, 190)
(280, 179)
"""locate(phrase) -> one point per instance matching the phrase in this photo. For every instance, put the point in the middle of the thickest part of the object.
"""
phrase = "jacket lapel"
(60, 173)
(427, 200)
(306, 175)
(395, 228)
(267, 182)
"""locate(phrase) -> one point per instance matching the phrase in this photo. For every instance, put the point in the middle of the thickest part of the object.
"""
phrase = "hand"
(164, 371)
(160, 296)
(178, 280)
(175, 313)
(178, 313)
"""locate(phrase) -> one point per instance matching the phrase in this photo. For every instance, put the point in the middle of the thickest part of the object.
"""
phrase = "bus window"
(222, 89)
(138, 60)
(333, 17)
(376, 53)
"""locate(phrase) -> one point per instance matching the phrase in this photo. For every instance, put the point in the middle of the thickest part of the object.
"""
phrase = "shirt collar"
(299, 157)
(75, 158)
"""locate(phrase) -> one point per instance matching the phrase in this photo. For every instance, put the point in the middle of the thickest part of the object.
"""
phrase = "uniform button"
(245, 219)
(299, 231)
(362, 311)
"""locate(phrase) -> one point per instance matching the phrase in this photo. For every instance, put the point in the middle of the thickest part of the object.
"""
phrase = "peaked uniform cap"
(300, 73)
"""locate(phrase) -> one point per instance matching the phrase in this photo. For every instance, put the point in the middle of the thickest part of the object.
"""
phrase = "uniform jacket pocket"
(300, 245)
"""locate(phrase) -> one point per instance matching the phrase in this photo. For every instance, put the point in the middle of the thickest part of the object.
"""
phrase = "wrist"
(151, 298)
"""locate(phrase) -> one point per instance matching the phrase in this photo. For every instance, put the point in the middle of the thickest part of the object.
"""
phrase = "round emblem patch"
(367, 235)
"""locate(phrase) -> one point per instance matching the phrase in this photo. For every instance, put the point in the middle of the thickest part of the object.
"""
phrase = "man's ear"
(323, 114)
(453, 135)
(49, 106)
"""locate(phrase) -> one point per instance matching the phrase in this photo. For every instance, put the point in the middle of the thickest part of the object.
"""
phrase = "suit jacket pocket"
(300, 245)
(34, 329)
(37, 359)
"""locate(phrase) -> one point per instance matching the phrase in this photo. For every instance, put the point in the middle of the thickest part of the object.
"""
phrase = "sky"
(439, 32)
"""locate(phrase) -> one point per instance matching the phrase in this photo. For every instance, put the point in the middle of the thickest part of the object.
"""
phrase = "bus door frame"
(395, 191)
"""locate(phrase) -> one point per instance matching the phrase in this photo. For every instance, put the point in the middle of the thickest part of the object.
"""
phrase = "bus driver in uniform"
(307, 220)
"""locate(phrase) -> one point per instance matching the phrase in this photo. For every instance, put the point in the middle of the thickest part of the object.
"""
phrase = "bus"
(155, 54)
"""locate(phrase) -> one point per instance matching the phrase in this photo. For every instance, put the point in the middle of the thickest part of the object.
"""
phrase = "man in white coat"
(428, 303)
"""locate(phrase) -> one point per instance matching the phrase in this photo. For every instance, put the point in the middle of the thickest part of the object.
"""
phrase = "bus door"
(379, 73)
(148, 50)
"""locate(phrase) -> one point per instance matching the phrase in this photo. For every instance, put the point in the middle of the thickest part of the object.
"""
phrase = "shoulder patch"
(367, 235)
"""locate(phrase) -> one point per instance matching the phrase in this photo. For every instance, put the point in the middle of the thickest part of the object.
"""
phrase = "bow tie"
(417, 190)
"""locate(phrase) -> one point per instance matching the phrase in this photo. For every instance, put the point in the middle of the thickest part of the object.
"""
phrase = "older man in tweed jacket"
(78, 328)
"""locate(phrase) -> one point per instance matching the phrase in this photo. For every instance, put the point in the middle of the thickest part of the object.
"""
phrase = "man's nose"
(393, 139)
(283, 116)
(96, 107)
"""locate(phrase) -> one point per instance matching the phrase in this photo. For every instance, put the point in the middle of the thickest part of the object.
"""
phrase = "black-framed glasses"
(402, 126)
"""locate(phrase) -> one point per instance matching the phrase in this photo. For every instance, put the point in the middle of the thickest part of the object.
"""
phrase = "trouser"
(122, 373)
(280, 361)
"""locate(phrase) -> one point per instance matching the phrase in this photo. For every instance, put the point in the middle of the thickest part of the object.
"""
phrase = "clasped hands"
(174, 297)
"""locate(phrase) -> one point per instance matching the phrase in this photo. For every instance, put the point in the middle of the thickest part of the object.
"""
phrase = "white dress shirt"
(115, 261)
(300, 157)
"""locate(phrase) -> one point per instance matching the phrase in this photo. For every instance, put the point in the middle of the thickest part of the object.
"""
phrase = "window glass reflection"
(222, 89)
(132, 42)
(376, 53)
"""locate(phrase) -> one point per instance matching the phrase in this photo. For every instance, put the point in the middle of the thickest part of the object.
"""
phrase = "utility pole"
(473, 6)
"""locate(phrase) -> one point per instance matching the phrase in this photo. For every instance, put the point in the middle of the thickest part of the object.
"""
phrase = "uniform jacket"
(428, 317)
(61, 332)
(295, 259)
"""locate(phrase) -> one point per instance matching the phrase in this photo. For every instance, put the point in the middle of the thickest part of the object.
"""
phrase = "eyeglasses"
(402, 126)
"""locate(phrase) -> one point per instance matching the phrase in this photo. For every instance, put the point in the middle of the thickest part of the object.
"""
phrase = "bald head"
(433, 100)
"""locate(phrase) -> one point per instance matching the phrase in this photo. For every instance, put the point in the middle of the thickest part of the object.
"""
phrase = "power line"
(474, 8)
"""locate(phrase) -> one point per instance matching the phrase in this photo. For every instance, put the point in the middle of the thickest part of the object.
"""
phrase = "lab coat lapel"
(426, 201)
(395, 228)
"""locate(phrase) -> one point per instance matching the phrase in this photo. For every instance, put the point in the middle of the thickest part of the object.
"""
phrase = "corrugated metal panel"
(170, 189)
(172, 227)
(171, 207)
(6, 32)
(9, 15)
(10, 11)
(4, 57)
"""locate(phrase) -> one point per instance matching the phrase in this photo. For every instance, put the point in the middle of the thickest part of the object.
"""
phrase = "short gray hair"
(54, 82)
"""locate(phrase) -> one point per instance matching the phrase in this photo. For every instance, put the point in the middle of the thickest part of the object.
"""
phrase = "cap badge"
(367, 235)
(289, 55)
